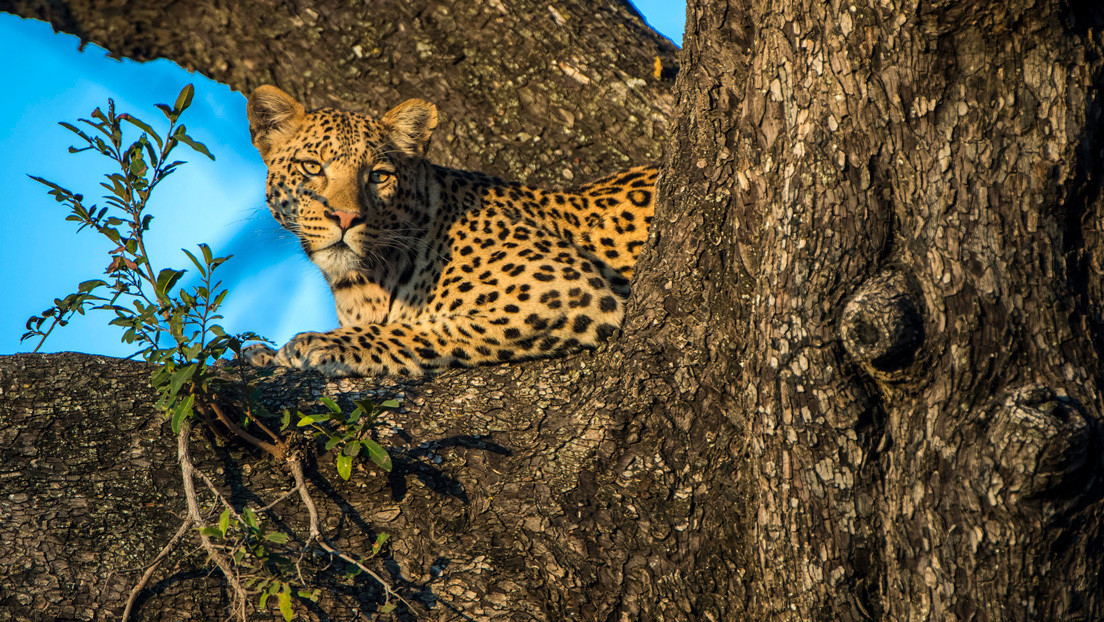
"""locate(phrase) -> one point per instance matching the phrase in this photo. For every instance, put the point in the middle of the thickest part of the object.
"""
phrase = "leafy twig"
(178, 332)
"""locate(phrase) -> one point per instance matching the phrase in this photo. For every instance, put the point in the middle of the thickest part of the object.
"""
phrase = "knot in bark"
(1045, 443)
(882, 327)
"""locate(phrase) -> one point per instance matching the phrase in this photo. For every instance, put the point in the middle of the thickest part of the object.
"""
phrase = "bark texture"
(860, 377)
(914, 193)
(549, 93)
(493, 505)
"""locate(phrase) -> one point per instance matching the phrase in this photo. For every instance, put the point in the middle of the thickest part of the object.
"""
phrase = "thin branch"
(218, 495)
(277, 501)
(240, 596)
(257, 422)
(227, 505)
(153, 566)
(296, 468)
(278, 450)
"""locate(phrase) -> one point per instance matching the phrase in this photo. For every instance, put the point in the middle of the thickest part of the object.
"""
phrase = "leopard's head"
(349, 186)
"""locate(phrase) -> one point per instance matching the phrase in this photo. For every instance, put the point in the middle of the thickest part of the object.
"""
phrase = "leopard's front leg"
(323, 352)
(304, 351)
(413, 349)
(380, 349)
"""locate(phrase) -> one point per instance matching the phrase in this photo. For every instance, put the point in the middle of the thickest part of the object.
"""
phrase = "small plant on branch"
(175, 328)
(348, 433)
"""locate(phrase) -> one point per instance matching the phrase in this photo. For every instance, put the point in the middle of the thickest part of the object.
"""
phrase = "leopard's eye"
(310, 167)
(378, 177)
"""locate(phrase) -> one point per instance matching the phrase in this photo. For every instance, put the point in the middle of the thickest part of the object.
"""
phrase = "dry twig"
(239, 597)
(153, 566)
(296, 468)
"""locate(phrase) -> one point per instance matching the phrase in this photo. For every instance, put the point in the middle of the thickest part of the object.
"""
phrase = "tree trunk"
(860, 378)
(904, 200)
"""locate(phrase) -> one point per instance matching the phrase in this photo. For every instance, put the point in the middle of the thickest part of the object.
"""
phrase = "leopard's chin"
(337, 259)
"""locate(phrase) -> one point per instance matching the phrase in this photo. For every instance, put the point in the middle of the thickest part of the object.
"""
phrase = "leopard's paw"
(258, 355)
(315, 351)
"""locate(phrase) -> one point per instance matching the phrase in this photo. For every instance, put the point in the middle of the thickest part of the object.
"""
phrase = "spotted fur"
(433, 267)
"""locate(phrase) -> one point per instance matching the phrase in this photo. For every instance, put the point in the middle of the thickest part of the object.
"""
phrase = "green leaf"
(183, 411)
(378, 454)
(217, 302)
(160, 377)
(194, 144)
(117, 188)
(74, 129)
(49, 183)
(264, 599)
(250, 518)
(388, 608)
(390, 404)
(184, 99)
(202, 269)
(140, 124)
(354, 416)
(150, 150)
(311, 595)
(309, 419)
(351, 449)
(176, 325)
(380, 540)
(210, 531)
(137, 163)
(88, 286)
(224, 521)
(165, 281)
(180, 377)
(332, 405)
(166, 171)
(352, 572)
(207, 255)
(334, 440)
(192, 351)
(284, 598)
(285, 421)
(277, 536)
(344, 466)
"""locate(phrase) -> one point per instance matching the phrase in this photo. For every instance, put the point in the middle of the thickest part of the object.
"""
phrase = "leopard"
(434, 267)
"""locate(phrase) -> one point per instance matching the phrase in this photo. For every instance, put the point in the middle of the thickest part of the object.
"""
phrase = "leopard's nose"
(345, 220)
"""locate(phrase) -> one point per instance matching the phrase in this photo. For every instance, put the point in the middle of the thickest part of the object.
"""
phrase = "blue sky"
(221, 202)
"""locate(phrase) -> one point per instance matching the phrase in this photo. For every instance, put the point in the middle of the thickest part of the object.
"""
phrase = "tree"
(861, 373)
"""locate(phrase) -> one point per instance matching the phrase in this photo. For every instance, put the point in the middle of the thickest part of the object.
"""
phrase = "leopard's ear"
(410, 125)
(273, 118)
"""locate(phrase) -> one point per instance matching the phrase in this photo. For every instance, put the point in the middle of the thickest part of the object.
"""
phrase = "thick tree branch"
(555, 94)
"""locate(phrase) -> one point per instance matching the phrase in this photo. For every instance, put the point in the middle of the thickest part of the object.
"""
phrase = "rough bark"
(913, 190)
(860, 378)
(550, 93)
(491, 505)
